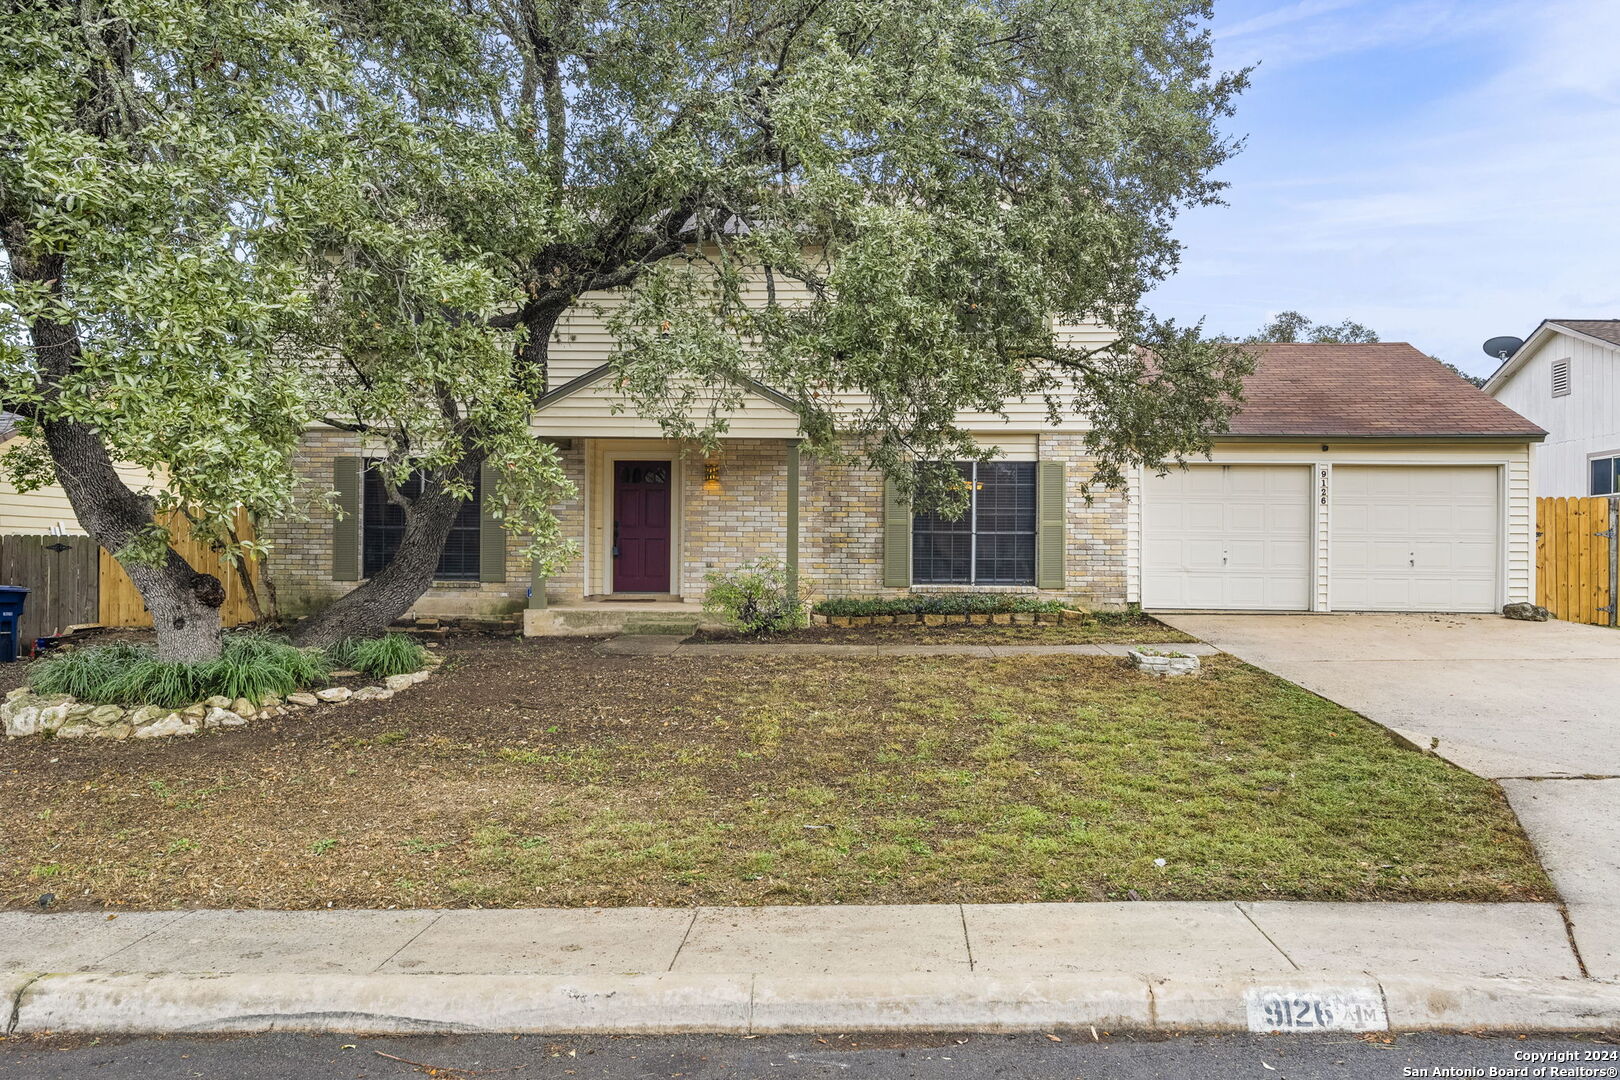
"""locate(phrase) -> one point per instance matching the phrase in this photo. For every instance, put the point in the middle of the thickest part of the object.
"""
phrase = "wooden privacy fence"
(60, 574)
(1578, 558)
(121, 603)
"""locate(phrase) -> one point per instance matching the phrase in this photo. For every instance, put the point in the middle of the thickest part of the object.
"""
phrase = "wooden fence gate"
(60, 575)
(1578, 558)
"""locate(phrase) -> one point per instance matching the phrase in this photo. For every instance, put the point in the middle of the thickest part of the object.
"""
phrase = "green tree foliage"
(845, 200)
(148, 155)
(244, 215)
(1291, 326)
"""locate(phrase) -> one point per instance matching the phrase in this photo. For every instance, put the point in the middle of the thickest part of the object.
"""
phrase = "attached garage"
(1233, 537)
(1355, 478)
(1415, 538)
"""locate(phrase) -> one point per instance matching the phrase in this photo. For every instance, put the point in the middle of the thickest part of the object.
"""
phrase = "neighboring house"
(1566, 377)
(45, 510)
(1356, 477)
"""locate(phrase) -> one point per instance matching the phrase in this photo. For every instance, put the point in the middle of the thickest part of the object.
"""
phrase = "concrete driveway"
(1535, 706)
(1502, 698)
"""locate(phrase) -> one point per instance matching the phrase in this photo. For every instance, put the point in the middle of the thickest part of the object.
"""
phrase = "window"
(382, 525)
(1605, 475)
(993, 543)
(1560, 378)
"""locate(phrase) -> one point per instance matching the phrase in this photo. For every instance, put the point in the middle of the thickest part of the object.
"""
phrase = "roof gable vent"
(1560, 378)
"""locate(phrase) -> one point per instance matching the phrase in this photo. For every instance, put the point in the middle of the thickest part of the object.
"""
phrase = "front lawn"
(537, 773)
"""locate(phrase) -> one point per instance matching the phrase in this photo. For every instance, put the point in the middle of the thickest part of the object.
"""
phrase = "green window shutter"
(1051, 517)
(896, 538)
(346, 525)
(491, 533)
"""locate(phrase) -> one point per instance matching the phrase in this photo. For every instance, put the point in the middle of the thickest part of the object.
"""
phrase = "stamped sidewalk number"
(1292, 1010)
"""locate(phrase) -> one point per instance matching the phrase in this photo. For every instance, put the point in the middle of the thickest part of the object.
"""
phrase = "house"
(1356, 477)
(1566, 377)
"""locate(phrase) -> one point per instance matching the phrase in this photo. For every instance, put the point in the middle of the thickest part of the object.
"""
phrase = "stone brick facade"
(739, 517)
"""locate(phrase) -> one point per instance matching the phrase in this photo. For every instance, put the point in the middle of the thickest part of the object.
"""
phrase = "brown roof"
(1386, 390)
(1602, 329)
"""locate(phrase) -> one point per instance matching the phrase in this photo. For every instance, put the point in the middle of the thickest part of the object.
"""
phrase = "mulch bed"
(1129, 629)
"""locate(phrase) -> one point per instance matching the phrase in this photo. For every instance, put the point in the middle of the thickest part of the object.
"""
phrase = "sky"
(1443, 171)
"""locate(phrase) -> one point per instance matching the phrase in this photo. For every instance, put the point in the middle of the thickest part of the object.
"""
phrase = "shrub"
(756, 598)
(939, 604)
(391, 654)
(252, 666)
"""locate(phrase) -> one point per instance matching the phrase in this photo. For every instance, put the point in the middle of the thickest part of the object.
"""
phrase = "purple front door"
(641, 526)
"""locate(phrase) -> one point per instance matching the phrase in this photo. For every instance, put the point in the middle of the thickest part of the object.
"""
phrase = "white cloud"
(1489, 208)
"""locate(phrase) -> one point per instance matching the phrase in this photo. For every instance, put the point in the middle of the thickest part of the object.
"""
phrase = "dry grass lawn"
(537, 773)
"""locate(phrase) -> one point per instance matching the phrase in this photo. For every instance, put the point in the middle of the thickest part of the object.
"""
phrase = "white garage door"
(1229, 537)
(1414, 538)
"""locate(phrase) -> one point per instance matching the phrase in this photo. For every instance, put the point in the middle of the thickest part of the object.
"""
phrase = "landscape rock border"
(59, 716)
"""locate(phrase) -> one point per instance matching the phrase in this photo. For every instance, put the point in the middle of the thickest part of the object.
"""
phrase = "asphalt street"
(1063, 1056)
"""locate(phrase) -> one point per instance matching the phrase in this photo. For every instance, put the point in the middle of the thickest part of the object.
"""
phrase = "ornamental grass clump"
(252, 666)
(391, 654)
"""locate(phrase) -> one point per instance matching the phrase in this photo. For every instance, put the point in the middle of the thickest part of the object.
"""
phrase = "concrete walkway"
(1535, 706)
(670, 645)
(1187, 965)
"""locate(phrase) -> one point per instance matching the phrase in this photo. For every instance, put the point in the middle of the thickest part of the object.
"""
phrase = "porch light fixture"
(711, 471)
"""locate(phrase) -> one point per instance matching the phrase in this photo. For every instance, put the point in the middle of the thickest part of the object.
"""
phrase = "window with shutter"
(383, 526)
(993, 543)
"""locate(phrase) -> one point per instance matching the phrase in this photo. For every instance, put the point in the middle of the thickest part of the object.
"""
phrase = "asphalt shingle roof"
(1602, 329)
(1387, 390)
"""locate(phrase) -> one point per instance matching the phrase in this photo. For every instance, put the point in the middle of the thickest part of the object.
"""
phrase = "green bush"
(253, 666)
(939, 604)
(391, 654)
(756, 598)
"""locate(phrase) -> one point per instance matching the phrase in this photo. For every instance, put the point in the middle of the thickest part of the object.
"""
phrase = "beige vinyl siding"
(582, 342)
(1512, 459)
(1581, 424)
(47, 510)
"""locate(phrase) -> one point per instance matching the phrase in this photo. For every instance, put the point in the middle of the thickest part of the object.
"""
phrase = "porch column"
(537, 587)
(793, 514)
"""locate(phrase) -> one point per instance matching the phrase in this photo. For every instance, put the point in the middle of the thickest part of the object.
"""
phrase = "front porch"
(653, 519)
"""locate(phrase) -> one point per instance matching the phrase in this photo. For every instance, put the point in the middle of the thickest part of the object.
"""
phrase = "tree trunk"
(184, 603)
(368, 610)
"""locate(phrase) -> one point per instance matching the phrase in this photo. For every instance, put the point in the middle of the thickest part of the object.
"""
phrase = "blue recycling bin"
(12, 599)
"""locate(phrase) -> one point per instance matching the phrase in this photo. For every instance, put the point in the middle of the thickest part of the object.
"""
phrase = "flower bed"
(946, 609)
(121, 692)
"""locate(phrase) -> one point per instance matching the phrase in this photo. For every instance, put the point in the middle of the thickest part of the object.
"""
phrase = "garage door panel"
(1238, 538)
(1414, 538)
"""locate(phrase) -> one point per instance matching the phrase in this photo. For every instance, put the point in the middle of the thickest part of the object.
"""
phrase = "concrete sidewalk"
(1209, 966)
(670, 645)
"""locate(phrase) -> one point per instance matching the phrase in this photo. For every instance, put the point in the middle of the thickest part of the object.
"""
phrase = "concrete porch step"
(600, 618)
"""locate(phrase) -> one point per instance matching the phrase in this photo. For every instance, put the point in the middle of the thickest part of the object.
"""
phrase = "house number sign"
(1315, 1010)
(1322, 485)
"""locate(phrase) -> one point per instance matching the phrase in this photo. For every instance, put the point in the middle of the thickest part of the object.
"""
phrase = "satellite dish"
(1500, 348)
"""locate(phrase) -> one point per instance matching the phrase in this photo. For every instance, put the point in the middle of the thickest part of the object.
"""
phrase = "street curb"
(771, 1004)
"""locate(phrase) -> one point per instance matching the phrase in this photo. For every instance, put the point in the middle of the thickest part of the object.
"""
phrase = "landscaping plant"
(757, 598)
(939, 604)
(391, 654)
(253, 666)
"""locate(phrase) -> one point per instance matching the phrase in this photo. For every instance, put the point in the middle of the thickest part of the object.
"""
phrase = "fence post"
(1614, 560)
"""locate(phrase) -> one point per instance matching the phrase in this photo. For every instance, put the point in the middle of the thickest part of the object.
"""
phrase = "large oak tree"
(223, 219)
